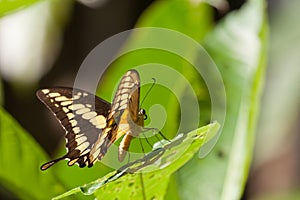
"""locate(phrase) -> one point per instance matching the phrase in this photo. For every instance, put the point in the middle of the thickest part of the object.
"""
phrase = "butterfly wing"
(122, 118)
(82, 115)
(132, 121)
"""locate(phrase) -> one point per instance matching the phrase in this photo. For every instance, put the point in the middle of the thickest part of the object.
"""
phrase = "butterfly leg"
(142, 145)
(146, 139)
(158, 131)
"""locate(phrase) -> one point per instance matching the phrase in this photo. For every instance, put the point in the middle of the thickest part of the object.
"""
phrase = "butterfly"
(92, 124)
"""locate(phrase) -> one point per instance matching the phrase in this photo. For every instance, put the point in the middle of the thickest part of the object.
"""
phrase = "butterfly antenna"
(147, 140)
(154, 81)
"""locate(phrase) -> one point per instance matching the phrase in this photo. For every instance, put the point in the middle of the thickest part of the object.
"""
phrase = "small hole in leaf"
(130, 184)
(152, 175)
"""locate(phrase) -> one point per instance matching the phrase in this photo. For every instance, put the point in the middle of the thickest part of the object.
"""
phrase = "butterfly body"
(92, 125)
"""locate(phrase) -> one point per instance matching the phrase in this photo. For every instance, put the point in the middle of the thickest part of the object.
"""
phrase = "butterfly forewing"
(82, 115)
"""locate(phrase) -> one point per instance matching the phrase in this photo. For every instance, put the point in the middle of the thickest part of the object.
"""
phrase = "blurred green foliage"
(7, 6)
(238, 46)
(20, 159)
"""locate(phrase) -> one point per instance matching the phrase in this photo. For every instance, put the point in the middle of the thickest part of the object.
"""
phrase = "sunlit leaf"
(148, 178)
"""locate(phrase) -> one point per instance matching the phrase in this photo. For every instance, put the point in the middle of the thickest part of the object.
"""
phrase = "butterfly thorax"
(131, 126)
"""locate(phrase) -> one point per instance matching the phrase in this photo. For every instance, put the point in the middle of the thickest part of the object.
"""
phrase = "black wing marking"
(82, 115)
(124, 110)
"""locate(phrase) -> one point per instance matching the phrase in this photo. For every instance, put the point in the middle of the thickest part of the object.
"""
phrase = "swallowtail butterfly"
(92, 124)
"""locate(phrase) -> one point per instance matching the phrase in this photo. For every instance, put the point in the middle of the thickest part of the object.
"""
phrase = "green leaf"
(238, 46)
(148, 178)
(8, 6)
(20, 159)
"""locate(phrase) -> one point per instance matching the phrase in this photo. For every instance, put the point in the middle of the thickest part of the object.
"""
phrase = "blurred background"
(45, 44)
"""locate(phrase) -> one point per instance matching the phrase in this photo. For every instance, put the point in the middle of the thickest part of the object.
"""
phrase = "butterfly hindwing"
(82, 115)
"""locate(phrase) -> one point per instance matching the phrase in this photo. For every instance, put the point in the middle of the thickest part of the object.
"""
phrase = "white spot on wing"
(66, 110)
(96, 154)
(88, 105)
(79, 135)
(70, 115)
(128, 78)
(99, 121)
(45, 91)
(128, 85)
(73, 122)
(118, 98)
(124, 102)
(76, 106)
(61, 98)
(123, 91)
(65, 103)
(89, 115)
(112, 113)
(81, 139)
(83, 110)
(54, 94)
(76, 97)
(124, 96)
(83, 146)
(76, 129)
(123, 107)
(116, 105)
(85, 152)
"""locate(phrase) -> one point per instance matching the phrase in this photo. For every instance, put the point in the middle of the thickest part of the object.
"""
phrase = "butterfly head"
(142, 114)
